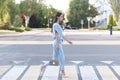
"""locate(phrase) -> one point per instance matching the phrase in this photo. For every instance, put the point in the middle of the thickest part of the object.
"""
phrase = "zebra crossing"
(73, 72)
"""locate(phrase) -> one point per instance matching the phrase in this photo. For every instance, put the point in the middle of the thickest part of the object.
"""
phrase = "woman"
(57, 43)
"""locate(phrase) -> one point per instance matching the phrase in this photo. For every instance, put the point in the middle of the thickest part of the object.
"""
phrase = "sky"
(59, 4)
(18, 1)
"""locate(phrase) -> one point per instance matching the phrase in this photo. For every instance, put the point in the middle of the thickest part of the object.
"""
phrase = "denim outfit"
(58, 54)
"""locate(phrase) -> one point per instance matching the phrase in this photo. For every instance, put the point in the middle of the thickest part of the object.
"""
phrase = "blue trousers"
(58, 55)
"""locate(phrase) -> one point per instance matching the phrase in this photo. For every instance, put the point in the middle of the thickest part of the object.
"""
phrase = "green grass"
(100, 28)
(5, 32)
(116, 29)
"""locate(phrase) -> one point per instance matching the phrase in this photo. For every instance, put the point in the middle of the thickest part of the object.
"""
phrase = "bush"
(4, 26)
(111, 21)
(11, 28)
(19, 29)
(28, 29)
(116, 29)
(5, 23)
(100, 28)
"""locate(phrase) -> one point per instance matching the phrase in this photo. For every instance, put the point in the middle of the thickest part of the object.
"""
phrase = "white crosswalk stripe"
(32, 73)
(73, 72)
(14, 73)
(117, 69)
(106, 73)
(3, 69)
(87, 72)
(51, 73)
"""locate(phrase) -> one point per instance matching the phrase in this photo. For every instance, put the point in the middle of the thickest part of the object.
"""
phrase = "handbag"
(54, 62)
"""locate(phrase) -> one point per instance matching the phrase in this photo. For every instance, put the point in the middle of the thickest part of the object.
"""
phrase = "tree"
(80, 9)
(92, 11)
(13, 10)
(4, 14)
(115, 5)
(37, 11)
(3, 8)
(33, 10)
(28, 7)
(50, 13)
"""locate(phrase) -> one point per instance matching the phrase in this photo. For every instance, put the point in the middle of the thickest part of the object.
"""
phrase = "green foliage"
(114, 22)
(79, 9)
(41, 11)
(115, 5)
(92, 11)
(28, 29)
(43, 16)
(28, 7)
(116, 29)
(13, 10)
(11, 28)
(1, 24)
(105, 28)
(17, 21)
(100, 28)
(6, 22)
(19, 29)
(3, 8)
(4, 14)
(111, 21)
(22, 29)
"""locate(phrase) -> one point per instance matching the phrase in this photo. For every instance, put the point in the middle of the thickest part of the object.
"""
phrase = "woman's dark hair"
(58, 14)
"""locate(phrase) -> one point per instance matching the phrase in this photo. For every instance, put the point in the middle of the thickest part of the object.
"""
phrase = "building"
(104, 11)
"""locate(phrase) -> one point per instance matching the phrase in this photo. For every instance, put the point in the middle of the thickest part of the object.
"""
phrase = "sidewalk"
(66, 32)
(13, 33)
(91, 32)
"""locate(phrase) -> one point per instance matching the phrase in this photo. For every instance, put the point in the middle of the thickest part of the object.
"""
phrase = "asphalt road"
(37, 53)
(90, 54)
